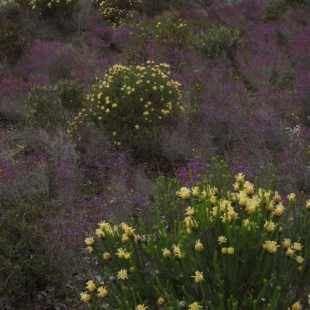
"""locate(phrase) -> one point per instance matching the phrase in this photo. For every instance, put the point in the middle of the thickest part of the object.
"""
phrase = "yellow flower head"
(239, 177)
(270, 226)
(222, 239)
(166, 253)
(198, 246)
(122, 274)
(90, 249)
(141, 307)
(278, 211)
(160, 301)
(106, 255)
(286, 243)
(224, 250)
(308, 204)
(194, 306)
(85, 297)
(296, 306)
(102, 291)
(91, 286)
(270, 246)
(177, 251)
(184, 192)
(299, 259)
(291, 197)
(297, 246)
(120, 253)
(289, 252)
(190, 211)
(89, 241)
(198, 276)
(230, 250)
(276, 197)
(195, 191)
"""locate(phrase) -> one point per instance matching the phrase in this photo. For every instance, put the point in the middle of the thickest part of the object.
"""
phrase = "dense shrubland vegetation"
(107, 108)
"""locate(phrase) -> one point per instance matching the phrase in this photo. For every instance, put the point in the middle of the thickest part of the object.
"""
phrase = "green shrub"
(206, 248)
(169, 36)
(61, 9)
(131, 103)
(219, 39)
(24, 262)
(15, 35)
(114, 11)
(275, 9)
(54, 106)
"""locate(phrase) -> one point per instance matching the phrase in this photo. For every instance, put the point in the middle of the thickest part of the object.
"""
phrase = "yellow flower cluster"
(129, 98)
(50, 3)
(116, 10)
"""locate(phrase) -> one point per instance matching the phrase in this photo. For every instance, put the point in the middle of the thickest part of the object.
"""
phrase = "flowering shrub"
(54, 8)
(116, 10)
(131, 103)
(50, 106)
(208, 246)
(15, 36)
(218, 40)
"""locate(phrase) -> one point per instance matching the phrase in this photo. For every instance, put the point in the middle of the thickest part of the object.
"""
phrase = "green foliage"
(114, 11)
(53, 106)
(219, 39)
(152, 8)
(15, 35)
(206, 246)
(132, 103)
(275, 9)
(24, 262)
(169, 37)
(61, 9)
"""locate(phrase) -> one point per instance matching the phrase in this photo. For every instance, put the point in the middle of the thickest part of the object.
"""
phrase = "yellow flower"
(278, 211)
(184, 193)
(90, 249)
(276, 197)
(100, 234)
(127, 256)
(166, 253)
(137, 126)
(106, 255)
(239, 177)
(224, 250)
(308, 204)
(114, 105)
(122, 274)
(91, 286)
(89, 241)
(198, 276)
(221, 239)
(198, 246)
(137, 238)
(120, 253)
(270, 226)
(299, 259)
(286, 243)
(195, 190)
(85, 297)
(190, 211)
(289, 252)
(177, 251)
(141, 307)
(231, 250)
(270, 246)
(129, 231)
(102, 291)
(291, 197)
(125, 238)
(194, 306)
(296, 306)
(160, 301)
(297, 246)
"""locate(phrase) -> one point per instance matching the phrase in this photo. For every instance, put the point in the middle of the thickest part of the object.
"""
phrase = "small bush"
(15, 36)
(275, 9)
(206, 247)
(114, 11)
(52, 106)
(219, 39)
(63, 9)
(24, 262)
(131, 103)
